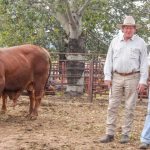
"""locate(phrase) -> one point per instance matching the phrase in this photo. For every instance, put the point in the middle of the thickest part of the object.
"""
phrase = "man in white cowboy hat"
(126, 73)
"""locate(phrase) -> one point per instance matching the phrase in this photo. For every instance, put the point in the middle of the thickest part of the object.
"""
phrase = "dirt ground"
(64, 124)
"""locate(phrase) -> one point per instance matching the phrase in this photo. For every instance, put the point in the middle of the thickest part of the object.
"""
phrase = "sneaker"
(107, 138)
(124, 139)
(143, 146)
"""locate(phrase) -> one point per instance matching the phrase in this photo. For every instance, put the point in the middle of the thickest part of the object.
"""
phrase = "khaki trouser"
(122, 86)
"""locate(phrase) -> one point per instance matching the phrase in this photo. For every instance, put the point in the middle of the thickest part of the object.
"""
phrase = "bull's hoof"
(31, 116)
(13, 105)
(3, 112)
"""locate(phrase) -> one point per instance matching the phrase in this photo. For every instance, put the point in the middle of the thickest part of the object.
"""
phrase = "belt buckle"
(123, 74)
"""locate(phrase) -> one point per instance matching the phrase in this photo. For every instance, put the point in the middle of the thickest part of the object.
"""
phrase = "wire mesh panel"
(91, 67)
(92, 74)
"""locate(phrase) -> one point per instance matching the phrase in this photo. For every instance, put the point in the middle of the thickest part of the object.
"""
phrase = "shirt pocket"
(116, 53)
(134, 53)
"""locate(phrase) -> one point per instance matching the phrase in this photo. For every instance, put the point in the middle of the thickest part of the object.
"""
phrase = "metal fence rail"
(93, 75)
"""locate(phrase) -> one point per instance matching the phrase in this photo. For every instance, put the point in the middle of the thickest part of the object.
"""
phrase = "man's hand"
(108, 83)
(141, 88)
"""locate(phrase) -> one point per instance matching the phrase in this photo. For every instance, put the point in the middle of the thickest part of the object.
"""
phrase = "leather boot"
(107, 138)
(143, 146)
(124, 139)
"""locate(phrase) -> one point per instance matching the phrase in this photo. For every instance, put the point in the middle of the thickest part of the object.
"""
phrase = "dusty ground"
(64, 124)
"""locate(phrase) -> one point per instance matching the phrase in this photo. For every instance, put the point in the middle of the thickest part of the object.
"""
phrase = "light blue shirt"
(127, 56)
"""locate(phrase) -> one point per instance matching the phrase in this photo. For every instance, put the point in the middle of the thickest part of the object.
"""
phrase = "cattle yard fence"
(93, 75)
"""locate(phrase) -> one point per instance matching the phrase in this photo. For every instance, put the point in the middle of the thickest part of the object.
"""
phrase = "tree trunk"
(75, 66)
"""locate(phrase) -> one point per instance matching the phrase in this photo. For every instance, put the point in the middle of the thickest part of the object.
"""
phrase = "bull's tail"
(49, 72)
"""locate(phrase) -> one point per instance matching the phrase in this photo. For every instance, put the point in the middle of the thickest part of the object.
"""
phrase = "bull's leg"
(32, 101)
(40, 82)
(39, 85)
(2, 94)
(14, 103)
(4, 102)
(14, 96)
(38, 97)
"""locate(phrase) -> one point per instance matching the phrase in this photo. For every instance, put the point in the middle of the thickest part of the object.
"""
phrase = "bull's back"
(22, 64)
(23, 56)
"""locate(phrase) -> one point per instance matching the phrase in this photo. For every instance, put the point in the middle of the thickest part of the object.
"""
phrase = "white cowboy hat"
(129, 21)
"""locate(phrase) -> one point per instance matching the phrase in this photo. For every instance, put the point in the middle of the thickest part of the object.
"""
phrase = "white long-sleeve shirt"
(149, 60)
(127, 56)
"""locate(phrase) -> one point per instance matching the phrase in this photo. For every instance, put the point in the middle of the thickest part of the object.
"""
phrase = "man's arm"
(143, 65)
(143, 69)
(108, 66)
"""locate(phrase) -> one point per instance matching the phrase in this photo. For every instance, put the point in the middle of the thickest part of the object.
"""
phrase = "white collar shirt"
(127, 56)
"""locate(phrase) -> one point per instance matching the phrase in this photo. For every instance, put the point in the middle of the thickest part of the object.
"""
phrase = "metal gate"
(93, 75)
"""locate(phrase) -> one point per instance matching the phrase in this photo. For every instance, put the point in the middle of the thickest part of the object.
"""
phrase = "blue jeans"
(145, 136)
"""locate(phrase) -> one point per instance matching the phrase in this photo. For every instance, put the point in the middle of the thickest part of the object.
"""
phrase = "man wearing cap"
(126, 73)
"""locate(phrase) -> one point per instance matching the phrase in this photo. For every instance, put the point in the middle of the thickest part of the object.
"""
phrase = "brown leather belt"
(126, 74)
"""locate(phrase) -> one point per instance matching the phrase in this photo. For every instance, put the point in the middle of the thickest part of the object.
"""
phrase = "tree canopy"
(22, 22)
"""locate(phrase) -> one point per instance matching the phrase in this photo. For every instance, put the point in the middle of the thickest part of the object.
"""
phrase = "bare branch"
(70, 16)
(72, 5)
(63, 19)
(82, 8)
